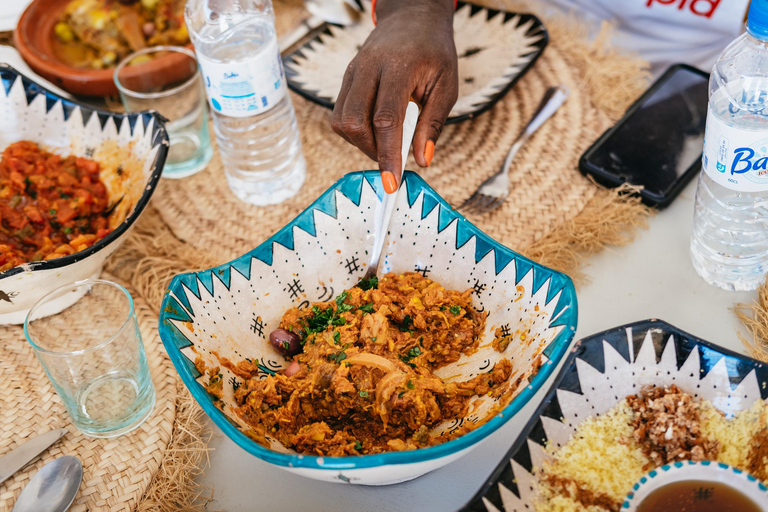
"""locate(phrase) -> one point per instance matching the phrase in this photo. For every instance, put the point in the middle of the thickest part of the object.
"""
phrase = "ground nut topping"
(667, 426)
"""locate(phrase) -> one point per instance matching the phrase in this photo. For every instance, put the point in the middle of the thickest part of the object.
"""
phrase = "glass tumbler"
(93, 354)
(167, 79)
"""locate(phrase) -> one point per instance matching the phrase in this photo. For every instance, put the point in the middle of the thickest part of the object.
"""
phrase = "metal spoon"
(382, 220)
(53, 488)
(338, 12)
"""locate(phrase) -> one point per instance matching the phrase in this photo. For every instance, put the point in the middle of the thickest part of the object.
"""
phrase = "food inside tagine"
(50, 206)
(98, 34)
(597, 467)
(362, 379)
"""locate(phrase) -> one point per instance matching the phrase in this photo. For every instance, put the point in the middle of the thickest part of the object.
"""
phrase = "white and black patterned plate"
(600, 371)
(495, 49)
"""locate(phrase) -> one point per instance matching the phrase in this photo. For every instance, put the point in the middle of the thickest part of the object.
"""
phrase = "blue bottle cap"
(757, 19)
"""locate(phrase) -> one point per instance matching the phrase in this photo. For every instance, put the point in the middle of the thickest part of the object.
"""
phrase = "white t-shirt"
(665, 32)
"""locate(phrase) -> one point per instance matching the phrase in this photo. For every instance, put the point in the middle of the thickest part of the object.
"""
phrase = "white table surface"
(650, 278)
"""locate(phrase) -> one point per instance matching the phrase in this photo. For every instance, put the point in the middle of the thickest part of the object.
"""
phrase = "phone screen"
(658, 141)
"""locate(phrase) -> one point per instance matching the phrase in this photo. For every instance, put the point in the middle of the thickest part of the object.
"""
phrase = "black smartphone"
(657, 145)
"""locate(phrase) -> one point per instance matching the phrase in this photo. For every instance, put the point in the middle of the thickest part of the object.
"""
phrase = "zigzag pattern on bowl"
(30, 112)
(495, 49)
(230, 310)
(603, 370)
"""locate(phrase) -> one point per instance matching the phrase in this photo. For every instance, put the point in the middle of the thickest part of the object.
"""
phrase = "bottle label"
(244, 88)
(735, 158)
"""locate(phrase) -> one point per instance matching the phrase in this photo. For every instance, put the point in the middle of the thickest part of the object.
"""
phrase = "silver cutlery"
(53, 488)
(25, 453)
(495, 190)
(381, 223)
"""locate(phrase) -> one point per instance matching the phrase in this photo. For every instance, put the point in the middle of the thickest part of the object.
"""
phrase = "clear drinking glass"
(93, 354)
(167, 79)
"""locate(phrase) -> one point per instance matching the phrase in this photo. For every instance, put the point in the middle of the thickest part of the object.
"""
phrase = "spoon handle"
(389, 200)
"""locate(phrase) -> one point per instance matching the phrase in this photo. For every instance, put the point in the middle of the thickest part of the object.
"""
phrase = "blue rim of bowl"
(649, 476)
(567, 318)
(580, 348)
(159, 138)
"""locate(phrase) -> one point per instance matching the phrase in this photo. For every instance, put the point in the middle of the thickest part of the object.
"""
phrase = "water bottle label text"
(254, 87)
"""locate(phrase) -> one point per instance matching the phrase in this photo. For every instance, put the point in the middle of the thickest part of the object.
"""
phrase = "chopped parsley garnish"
(336, 337)
(455, 310)
(67, 231)
(52, 211)
(286, 346)
(367, 308)
(342, 307)
(358, 446)
(400, 394)
(322, 319)
(368, 283)
(363, 393)
(443, 308)
(339, 356)
(410, 385)
(374, 339)
(421, 341)
(414, 352)
(407, 324)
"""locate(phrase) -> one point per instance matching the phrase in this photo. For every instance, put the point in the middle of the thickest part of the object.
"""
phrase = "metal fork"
(495, 190)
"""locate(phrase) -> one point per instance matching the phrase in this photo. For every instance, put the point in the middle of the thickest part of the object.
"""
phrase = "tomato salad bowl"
(229, 311)
(131, 150)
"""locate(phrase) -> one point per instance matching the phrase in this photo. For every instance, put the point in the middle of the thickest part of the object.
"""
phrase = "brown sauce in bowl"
(697, 496)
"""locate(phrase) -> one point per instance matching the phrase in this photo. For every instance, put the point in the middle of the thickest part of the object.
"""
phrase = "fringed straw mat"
(117, 472)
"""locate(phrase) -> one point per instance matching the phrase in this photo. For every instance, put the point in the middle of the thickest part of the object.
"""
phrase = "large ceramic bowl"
(231, 310)
(602, 370)
(131, 149)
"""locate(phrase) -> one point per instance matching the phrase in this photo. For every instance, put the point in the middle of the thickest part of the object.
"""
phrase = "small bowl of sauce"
(697, 487)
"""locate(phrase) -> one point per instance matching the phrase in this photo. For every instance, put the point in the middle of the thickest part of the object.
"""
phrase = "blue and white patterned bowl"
(131, 148)
(704, 471)
(600, 371)
(231, 310)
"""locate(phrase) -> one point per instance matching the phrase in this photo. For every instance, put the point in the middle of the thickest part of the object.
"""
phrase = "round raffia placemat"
(117, 472)
(548, 189)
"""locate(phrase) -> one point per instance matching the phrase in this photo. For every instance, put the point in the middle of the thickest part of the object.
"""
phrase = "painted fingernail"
(389, 181)
(429, 152)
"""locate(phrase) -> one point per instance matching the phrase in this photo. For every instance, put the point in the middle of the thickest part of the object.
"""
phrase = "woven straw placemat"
(117, 472)
(547, 186)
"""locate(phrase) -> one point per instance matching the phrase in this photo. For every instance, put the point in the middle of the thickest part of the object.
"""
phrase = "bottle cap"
(757, 19)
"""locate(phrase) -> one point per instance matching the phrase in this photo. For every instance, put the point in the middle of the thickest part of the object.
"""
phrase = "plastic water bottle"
(729, 246)
(253, 116)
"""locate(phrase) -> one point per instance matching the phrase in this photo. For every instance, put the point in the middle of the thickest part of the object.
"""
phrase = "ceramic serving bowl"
(231, 310)
(34, 38)
(131, 149)
(698, 474)
(600, 371)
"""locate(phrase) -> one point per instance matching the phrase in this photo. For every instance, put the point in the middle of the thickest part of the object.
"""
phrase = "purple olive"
(286, 342)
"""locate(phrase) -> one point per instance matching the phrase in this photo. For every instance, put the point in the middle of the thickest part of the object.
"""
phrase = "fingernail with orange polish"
(389, 181)
(429, 152)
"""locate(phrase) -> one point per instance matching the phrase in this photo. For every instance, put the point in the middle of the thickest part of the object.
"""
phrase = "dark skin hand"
(410, 53)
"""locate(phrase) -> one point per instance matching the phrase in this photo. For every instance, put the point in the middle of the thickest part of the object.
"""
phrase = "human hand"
(410, 54)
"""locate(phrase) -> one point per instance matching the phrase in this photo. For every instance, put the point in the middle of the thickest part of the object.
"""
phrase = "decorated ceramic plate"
(495, 50)
(229, 311)
(600, 371)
